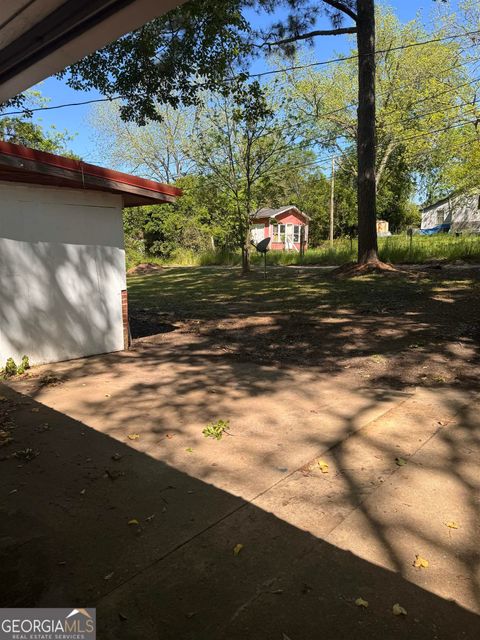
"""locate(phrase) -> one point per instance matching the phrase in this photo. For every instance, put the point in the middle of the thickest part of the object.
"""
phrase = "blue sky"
(75, 119)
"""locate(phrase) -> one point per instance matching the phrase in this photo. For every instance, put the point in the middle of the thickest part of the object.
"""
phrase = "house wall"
(286, 218)
(462, 212)
(62, 273)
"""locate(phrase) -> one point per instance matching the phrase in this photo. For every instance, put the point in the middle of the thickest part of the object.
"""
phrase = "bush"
(395, 249)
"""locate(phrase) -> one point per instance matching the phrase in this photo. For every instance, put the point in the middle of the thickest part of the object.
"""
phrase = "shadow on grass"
(423, 329)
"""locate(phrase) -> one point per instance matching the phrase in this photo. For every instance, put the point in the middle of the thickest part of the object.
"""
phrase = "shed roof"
(273, 213)
(21, 164)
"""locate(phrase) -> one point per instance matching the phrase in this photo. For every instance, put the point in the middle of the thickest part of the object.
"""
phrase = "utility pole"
(332, 200)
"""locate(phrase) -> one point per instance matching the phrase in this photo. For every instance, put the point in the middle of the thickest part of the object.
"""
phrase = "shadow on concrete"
(66, 541)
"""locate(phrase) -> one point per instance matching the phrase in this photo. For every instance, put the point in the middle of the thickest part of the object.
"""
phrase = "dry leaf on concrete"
(323, 466)
(397, 610)
(360, 602)
(420, 563)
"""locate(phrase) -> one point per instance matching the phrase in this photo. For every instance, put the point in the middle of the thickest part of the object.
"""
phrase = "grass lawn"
(396, 249)
(409, 329)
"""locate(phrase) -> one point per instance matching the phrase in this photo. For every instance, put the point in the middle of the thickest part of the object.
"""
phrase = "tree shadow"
(419, 329)
(61, 300)
(66, 541)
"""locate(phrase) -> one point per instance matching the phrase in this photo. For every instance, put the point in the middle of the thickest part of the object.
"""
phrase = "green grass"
(396, 249)
(194, 292)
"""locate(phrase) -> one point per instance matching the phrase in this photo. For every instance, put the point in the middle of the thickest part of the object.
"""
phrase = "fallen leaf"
(3, 399)
(400, 462)
(360, 602)
(35, 410)
(150, 518)
(237, 548)
(169, 436)
(451, 525)
(133, 436)
(420, 563)
(109, 576)
(82, 492)
(323, 466)
(133, 521)
(397, 610)
(189, 450)
(107, 395)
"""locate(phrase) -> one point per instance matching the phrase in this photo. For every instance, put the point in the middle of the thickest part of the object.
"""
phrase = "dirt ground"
(351, 454)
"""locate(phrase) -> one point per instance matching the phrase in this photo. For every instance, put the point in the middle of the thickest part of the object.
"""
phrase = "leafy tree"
(240, 145)
(159, 150)
(394, 194)
(415, 95)
(22, 130)
(193, 48)
(204, 44)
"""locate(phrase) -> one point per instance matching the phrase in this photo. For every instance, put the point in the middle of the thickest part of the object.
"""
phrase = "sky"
(75, 119)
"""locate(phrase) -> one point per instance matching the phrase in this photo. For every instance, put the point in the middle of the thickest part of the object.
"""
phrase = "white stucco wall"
(62, 270)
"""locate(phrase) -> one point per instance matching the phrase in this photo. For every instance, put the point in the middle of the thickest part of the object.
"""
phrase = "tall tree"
(420, 89)
(160, 150)
(202, 43)
(240, 143)
(193, 48)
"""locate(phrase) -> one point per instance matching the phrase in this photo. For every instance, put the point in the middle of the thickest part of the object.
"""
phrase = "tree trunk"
(245, 249)
(367, 197)
(245, 259)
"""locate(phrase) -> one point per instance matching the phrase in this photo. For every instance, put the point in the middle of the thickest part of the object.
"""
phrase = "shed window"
(289, 231)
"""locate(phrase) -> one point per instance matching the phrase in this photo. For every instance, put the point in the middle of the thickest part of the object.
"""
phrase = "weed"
(216, 429)
(11, 369)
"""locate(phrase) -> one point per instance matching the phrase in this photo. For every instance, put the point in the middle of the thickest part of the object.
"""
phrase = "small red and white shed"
(287, 227)
(62, 258)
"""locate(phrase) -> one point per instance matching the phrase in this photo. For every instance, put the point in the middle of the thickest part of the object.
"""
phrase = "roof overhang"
(21, 164)
(41, 37)
(280, 212)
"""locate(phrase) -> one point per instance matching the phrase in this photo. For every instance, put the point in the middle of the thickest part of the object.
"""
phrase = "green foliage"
(395, 249)
(22, 130)
(216, 430)
(12, 369)
(24, 365)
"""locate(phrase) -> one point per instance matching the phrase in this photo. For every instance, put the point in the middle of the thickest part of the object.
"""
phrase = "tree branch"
(313, 34)
(343, 8)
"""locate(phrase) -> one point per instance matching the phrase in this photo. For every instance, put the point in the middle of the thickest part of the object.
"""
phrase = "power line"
(357, 56)
(59, 106)
(259, 75)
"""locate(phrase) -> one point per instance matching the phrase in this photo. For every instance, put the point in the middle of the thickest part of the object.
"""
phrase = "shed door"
(258, 233)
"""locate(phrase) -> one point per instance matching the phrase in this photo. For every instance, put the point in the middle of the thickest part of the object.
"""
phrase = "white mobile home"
(62, 259)
(461, 211)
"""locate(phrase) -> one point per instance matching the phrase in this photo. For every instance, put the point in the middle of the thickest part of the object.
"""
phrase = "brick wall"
(126, 332)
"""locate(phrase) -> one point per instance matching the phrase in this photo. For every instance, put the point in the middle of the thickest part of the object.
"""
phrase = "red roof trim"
(83, 168)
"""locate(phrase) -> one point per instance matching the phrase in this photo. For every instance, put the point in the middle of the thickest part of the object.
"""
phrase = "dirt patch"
(354, 269)
(144, 269)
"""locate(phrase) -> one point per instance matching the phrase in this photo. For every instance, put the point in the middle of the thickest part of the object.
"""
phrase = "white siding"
(62, 270)
(462, 212)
